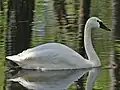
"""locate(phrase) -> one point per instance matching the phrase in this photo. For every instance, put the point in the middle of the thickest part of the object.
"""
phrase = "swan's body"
(53, 56)
(50, 79)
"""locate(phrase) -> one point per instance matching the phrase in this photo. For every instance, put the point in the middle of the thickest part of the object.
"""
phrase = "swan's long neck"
(92, 78)
(92, 56)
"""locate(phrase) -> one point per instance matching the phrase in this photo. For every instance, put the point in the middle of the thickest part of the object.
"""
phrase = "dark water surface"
(57, 21)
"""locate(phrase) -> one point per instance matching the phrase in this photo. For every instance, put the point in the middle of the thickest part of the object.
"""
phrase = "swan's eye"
(98, 21)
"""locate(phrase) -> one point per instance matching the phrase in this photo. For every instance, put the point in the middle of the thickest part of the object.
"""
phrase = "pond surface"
(54, 79)
(57, 21)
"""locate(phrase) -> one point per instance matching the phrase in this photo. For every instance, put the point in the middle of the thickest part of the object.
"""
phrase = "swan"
(48, 80)
(54, 79)
(54, 56)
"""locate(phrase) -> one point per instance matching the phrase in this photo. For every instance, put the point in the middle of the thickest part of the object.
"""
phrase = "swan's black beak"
(103, 26)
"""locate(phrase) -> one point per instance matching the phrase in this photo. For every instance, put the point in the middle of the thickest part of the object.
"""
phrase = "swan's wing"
(53, 59)
(45, 47)
(54, 46)
(50, 56)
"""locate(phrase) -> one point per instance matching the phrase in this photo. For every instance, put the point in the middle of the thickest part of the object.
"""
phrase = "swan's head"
(95, 22)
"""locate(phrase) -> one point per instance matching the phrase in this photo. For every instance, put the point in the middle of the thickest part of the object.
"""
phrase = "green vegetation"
(46, 22)
(3, 27)
(103, 40)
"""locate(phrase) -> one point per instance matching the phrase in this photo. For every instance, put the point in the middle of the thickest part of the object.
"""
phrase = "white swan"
(54, 56)
(54, 79)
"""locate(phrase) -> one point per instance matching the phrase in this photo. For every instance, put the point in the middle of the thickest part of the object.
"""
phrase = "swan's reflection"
(55, 79)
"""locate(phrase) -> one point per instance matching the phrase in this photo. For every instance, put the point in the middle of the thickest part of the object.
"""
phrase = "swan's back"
(51, 56)
(54, 46)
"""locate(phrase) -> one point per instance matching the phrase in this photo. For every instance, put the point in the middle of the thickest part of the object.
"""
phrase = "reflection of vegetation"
(65, 26)
(3, 8)
(72, 87)
(102, 39)
(48, 26)
(44, 25)
(117, 47)
(116, 28)
(117, 61)
(18, 35)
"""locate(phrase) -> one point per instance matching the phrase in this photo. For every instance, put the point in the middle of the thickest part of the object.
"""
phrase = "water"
(55, 79)
(57, 21)
(2, 52)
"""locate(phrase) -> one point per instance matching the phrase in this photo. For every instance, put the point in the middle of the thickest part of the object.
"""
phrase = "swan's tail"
(16, 79)
(14, 58)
